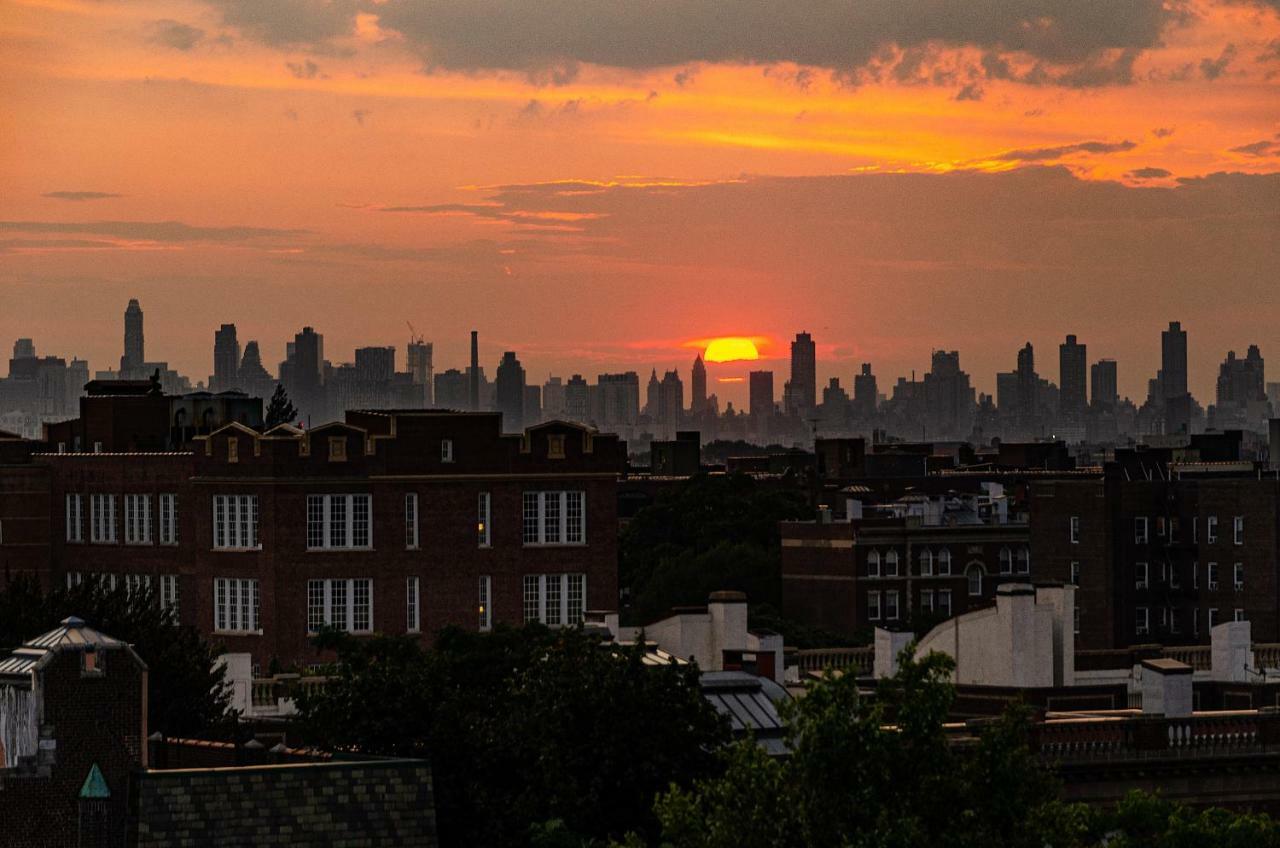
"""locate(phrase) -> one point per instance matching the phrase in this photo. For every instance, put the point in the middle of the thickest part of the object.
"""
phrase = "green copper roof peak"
(95, 786)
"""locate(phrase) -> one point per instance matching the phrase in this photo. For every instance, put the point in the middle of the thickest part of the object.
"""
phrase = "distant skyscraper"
(553, 399)
(804, 374)
(24, 349)
(1105, 390)
(671, 404)
(1173, 360)
(1072, 374)
(134, 348)
(255, 380)
(948, 397)
(306, 371)
(761, 394)
(420, 368)
(698, 387)
(474, 373)
(577, 400)
(619, 399)
(653, 396)
(226, 359)
(1242, 381)
(375, 364)
(864, 393)
(532, 405)
(452, 390)
(509, 389)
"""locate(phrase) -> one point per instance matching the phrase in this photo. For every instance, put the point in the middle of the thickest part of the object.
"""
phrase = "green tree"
(522, 727)
(187, 696)
(280, 409)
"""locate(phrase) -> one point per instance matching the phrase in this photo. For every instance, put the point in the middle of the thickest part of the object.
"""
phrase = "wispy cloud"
(80, 195)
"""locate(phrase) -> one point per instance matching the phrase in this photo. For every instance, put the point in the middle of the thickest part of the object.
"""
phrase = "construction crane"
(414, 338)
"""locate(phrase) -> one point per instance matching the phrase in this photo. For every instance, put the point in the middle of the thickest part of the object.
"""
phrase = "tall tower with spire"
(698, 387)
(134, 355)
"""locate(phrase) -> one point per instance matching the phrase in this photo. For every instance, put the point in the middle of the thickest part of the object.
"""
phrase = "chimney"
(1231, 651)
(1166, 688)
(475, 371)
(728, 614)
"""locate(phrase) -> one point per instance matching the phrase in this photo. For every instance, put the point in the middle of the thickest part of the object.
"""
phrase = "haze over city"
(607, 190)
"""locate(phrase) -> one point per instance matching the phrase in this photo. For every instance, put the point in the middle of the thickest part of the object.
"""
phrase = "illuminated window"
(486, 615)
(482, 523)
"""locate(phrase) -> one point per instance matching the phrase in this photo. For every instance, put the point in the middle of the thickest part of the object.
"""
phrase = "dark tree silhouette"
(280, 410)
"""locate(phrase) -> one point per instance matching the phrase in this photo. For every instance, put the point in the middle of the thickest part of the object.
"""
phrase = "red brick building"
(1162, 551)
(392, 522)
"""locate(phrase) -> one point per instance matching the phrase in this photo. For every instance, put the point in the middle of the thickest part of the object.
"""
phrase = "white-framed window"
(944, 601)
(137, 519)
(1142, 621)
(1211, 530)
(1237, 532)
(974, 575)
(926, 563)
(891, 564)
(1006, 561)
(411, 521)
(926, 600)
(446, 450)
(235, 605)
(873, 564)
(1239, 615)
(1140, 575)
(555, 599)
(944, 562)
(554, 518)
(1213, 577)
(891, 605)
(235, 522)
(1237, 575)
(134, 583)
(1140, 530)
(75, 518)
(102, 519)
(169, 593)
(482, 522)
(412, 610)
(168, 519)
(1075, 529)
(1213, 617)
(1024, 560)
(339, 522)
(873, 606)
(344, 603)
(486, 613)
(1075, 574)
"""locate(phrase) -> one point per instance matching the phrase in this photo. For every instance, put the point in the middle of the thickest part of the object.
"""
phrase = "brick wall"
(372, 804)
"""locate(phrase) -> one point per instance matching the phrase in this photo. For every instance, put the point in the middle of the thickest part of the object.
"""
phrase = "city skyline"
(912, 187)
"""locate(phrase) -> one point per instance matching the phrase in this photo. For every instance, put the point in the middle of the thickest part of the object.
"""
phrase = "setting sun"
(730, 349)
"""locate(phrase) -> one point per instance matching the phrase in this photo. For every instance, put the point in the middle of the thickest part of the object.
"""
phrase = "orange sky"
(594, 186)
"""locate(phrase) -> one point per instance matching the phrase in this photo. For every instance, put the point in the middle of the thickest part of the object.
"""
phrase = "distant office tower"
(864, 393)
(670, 404)
(474, 374)
(804, 374)
(698, 387)
(134, 356)
(375, 364)
(619, 399)
(653, 396)
(1242, 381)
(1028, 387)
(254, 379)
(24, 349)
(553, 399)
(760, 390)
(509, 392)
(226, 359)
(452, 390)
(306, 373)
(420, 368)
(577, 400)
(1173, 360)
(948, 398)
(532, 405)
(77, 377)
(1072, 374)
(1105, 389)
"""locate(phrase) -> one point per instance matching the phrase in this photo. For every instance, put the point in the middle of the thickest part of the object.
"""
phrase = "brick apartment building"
(1161, 552)
(392, 522)
(917, 560)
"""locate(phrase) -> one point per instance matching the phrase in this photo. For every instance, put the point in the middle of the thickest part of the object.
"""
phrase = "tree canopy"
(522, 727)
(187, 696)
(280, 409)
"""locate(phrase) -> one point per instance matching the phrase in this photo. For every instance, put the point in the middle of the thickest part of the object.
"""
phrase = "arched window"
(974, 573)
(1006, 561)
(944, 562)
(873, 564)
(891, 564)
(1024, 560)
(926, 563)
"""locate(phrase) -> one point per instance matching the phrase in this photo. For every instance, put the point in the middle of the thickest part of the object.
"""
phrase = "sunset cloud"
(80, 196)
